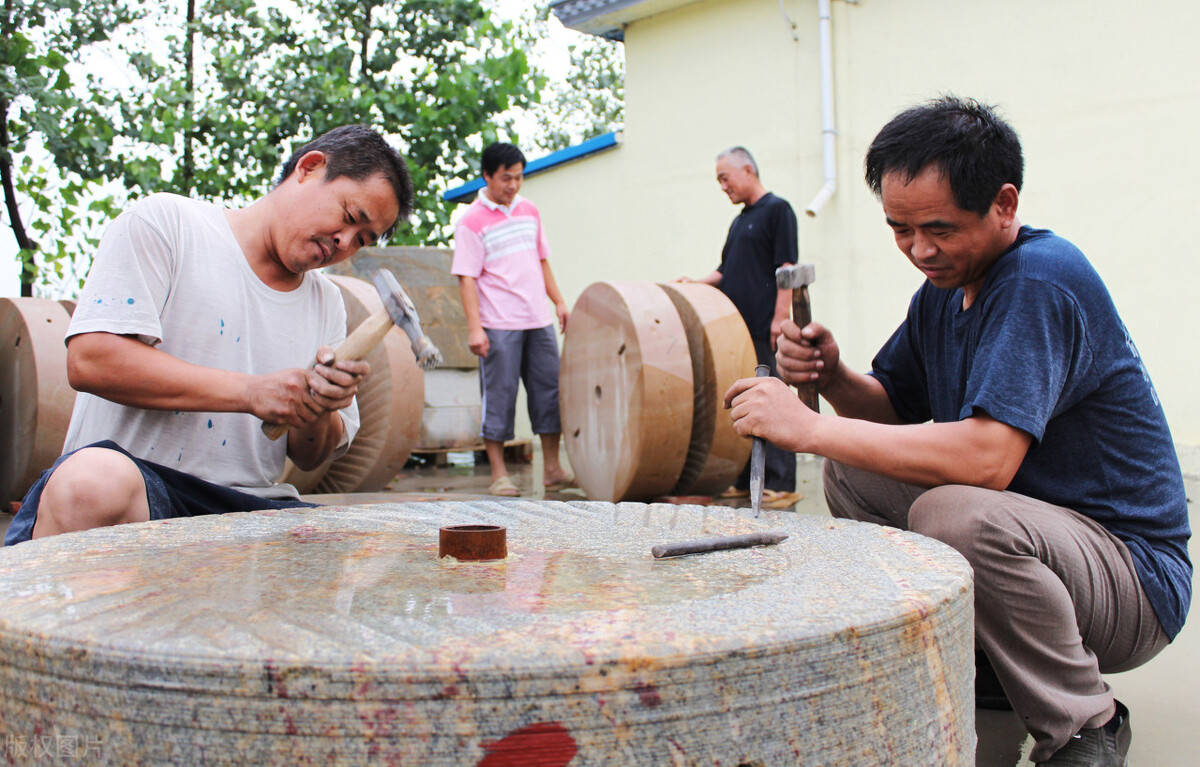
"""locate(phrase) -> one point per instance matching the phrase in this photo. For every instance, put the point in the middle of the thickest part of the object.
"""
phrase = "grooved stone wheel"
(390, 403)
(336, 635)
(35, 398)
(625, 391)
(721, 352)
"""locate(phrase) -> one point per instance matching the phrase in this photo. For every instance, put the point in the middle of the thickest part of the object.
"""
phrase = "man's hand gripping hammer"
(397, 310)
(797, 278)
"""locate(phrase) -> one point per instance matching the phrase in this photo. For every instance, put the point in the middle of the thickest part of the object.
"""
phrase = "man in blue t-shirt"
(1011, 417)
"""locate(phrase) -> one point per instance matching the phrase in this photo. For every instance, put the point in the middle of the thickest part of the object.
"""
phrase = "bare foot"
(558, 479)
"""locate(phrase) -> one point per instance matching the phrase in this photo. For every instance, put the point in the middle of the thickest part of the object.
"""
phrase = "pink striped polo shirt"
(503, 247)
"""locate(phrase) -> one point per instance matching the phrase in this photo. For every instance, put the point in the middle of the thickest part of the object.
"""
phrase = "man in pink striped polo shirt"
(504, 279)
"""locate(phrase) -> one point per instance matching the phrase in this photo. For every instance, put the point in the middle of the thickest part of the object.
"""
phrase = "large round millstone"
(330, 635)
(35, 397)
(390, 402)
(625, 388)
(721, 352)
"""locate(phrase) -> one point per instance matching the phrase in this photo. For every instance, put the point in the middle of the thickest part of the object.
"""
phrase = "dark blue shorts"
(169, 492)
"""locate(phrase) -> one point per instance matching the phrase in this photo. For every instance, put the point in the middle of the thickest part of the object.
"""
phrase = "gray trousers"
(1057, 601)
(513, 356)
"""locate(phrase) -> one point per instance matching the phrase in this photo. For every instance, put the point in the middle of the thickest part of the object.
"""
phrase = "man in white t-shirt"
(197, 324)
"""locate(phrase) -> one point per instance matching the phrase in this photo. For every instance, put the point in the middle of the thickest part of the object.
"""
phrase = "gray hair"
(740, 154)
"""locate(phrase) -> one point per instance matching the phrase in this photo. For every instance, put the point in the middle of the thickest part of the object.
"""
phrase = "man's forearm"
(855, 395)
(976, 451)
(783, 304)
(308, 447)
(469, 294)
(126, 371)
(552, 291)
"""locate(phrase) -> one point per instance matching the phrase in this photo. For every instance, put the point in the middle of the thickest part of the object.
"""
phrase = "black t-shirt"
(761, 238)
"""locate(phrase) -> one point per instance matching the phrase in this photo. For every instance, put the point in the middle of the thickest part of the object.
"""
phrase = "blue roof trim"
(591, 146)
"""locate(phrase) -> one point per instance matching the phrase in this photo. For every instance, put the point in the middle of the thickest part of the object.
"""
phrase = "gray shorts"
(527, 355)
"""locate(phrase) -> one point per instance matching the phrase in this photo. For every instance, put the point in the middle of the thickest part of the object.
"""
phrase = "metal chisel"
(758, 457)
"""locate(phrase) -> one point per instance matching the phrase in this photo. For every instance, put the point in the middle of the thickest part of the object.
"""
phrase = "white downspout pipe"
(828, 128)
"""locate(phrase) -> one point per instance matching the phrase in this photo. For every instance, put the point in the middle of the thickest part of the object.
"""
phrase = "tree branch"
(189, 66)
(10, 198)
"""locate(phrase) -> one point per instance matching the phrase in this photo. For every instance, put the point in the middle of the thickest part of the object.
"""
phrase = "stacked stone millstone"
(336, 635)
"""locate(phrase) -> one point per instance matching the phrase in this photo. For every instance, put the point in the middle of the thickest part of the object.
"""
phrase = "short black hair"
(975, 149)
(358, 152)
(500, 155)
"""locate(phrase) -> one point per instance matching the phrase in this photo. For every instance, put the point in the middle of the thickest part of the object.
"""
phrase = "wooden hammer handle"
(802, 316)
(355, 347)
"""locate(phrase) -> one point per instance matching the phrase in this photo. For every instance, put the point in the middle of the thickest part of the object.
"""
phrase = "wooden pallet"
(515, 451)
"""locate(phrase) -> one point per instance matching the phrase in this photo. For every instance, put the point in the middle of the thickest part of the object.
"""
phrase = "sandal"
(504, 486)
(733, 491)
(779, 499)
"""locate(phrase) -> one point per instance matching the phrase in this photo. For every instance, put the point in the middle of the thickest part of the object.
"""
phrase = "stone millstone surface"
(336, 635)
(625, 391)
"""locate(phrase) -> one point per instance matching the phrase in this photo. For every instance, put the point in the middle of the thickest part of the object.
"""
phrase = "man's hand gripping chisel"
(397, 310)
(758, 457)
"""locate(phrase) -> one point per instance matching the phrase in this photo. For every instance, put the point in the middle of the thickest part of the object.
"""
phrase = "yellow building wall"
(1105, 97)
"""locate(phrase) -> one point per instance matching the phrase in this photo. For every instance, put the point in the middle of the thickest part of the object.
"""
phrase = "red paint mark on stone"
(276, 684)
(648, 694)
(545, 744)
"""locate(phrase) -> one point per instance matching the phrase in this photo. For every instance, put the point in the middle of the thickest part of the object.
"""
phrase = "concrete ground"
(1162, 695)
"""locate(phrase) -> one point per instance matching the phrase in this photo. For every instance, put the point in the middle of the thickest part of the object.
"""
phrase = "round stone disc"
(390, 403)
(625, 389)
(337, 635)
(35, 398)
(722, 352)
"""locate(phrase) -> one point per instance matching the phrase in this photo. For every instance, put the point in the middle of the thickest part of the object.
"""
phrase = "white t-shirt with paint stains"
(170, 272)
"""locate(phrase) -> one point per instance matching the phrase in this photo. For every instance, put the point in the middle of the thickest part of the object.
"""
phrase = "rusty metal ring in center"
(473, 542)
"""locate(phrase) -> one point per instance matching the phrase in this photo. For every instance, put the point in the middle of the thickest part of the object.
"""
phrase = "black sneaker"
(1104, 746)
(988, 692)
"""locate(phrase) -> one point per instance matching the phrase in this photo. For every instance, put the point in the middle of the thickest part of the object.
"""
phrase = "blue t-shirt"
(1042, 349)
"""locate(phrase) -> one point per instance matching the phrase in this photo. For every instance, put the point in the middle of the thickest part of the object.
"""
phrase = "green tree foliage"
(589, 100)
(212, 107)
(44, 108)
(236, 95)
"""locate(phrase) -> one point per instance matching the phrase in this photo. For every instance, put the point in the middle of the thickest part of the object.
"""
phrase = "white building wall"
(1105, 97)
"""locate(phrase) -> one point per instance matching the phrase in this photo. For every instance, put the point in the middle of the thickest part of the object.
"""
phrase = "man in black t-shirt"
(761, 239)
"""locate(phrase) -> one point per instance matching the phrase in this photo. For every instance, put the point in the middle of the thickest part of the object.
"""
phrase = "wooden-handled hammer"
(797, 278)
(398, 310)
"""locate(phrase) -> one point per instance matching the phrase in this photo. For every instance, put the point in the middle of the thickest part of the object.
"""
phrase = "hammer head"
(792, 276)
(400, 308)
